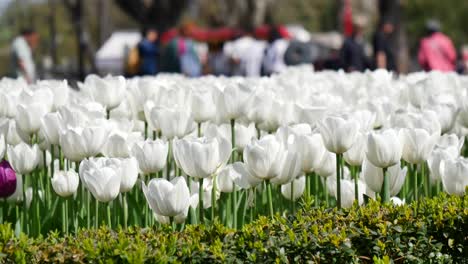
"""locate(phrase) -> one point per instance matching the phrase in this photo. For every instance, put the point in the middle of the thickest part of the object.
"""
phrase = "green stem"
(270, 200)
(193, 216)
(64, 216)
(338, 180)
(325, 193)
(96, 219)
(258, 131)
(228, 210)
(316, 178)
(125, 209)
(200, 201)
(385, 187)
(169, 161)
(292, 204)
(415, 182)
(88, 207)
(356, 182)
(146, 129)
(234, 207)
(427, 180)
(213, 199)
(109, 218)
(199, 129)
(233, 138)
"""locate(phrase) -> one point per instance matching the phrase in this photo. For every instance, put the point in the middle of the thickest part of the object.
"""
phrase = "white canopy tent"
(110, 58)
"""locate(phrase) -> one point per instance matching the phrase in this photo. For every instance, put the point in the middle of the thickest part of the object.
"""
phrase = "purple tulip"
(7, 179)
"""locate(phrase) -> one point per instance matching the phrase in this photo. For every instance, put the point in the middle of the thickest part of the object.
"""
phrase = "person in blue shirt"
(149, 52)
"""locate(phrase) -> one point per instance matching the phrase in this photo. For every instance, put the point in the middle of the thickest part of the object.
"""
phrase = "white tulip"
(119, 144)
(454, 175)
(312, 151)
(79, 143)
(263, 157)
(23, 158)
(167, 198)
(65, 183)
(51, 128)
(347, 191)
(298, 189)
(230, 102)
(397, 201)
(366, 120)
(59, 89)
(8, 104)
(384, 149)
(417, 144)
(129, 174)
(3, 146)
(172, 122)
(203, 106)
(338, 133)
(451, 141)
(102, 177)
(207, 193)
(73, 144)
(327, 166)
(246, 179)
(373, 176)
(201, 157)
(226, 178)
(108, 91)
(151, 155)
(28, 117)
(435, 159)
(357, 153)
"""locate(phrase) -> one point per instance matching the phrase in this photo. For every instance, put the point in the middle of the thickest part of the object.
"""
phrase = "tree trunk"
(53, 32)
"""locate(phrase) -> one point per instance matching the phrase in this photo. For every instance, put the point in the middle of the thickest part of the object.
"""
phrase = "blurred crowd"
(245, 55)
(248, 54)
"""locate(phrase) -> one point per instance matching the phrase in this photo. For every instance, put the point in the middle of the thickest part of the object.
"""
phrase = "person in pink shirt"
(436, 50)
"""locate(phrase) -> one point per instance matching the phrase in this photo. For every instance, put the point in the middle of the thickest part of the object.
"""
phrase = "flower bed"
(431, 231)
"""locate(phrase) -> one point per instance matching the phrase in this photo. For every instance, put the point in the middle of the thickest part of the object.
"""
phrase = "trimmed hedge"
(435, 231)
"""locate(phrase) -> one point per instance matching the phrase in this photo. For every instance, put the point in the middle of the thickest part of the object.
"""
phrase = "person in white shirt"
(273, 61)
(22, 48)
(247, 54)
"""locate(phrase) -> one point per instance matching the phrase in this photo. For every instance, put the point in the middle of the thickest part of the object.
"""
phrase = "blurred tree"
(451, 14)
(161, 14)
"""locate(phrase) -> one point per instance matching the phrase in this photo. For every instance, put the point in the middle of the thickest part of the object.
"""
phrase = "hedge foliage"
(435, 231)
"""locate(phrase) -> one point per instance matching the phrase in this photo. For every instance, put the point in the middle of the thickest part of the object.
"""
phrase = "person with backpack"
(148, 52)
(436, 50)
(180, 55)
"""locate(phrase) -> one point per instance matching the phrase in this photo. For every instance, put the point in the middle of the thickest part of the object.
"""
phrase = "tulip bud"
(7, 179)
(65, 183)
(167, 198)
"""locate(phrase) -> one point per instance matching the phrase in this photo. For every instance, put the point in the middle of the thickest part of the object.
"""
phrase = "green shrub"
(435, 231)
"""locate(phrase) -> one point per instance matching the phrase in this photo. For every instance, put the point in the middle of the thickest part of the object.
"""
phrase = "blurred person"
(436, 50)
(352, 53)
(180, 54)
(22, 58)
(217, 62)
(383, 53)
(273, 60)
(246, 54)
(148, 51)
(464, 61)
